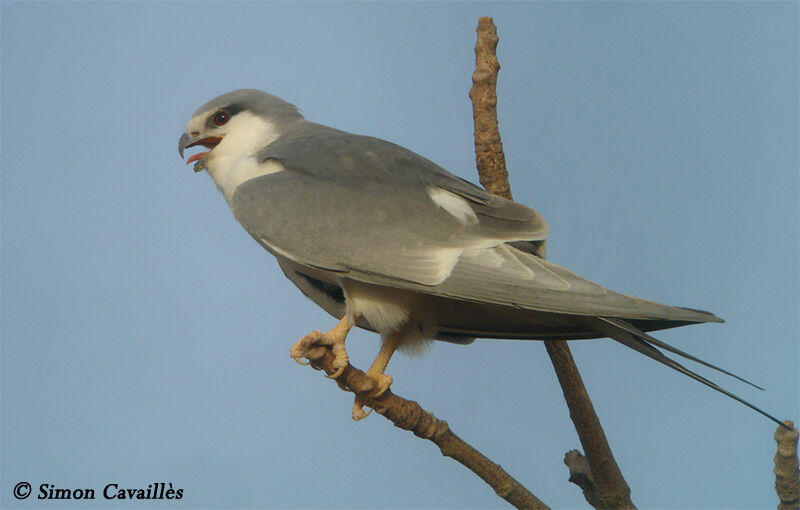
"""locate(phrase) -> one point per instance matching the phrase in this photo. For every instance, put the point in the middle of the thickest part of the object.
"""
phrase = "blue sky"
(145, 336)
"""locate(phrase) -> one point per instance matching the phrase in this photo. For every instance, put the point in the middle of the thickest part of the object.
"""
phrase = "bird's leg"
(334, 339)
(389, 344)
(382, 381)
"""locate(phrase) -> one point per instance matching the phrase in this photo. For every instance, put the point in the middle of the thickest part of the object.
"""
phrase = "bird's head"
(236, 124)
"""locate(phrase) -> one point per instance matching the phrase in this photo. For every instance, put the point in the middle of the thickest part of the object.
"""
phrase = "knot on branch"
(581, 475)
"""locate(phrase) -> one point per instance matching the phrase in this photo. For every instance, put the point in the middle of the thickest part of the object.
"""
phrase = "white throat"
(235, 160)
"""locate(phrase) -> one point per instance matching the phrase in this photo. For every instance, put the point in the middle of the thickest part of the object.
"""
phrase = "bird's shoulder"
(344, 161)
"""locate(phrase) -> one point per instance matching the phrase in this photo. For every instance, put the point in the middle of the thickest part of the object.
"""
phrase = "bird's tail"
(643, 343)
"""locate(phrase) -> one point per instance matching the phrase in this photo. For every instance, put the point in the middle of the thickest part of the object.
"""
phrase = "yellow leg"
(334, 338)
(389, 344)
(376, 371)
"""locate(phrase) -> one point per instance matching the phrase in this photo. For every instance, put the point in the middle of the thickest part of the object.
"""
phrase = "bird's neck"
(236, 159)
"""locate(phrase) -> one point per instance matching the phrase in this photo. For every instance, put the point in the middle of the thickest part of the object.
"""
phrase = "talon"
(382, 383)
(301, 347)
(358, 410)
(340, 362)
(296, 353)
(337, 373)
(312, 347)
(299, 361)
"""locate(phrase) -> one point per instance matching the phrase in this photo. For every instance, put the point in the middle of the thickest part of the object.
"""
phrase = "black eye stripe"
(231, 110)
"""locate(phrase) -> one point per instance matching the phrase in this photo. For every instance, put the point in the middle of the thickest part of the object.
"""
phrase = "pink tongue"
(196, 157)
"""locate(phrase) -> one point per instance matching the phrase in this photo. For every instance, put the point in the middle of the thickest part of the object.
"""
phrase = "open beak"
(187, 141)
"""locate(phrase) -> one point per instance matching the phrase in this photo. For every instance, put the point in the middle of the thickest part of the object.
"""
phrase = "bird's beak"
(187, 141)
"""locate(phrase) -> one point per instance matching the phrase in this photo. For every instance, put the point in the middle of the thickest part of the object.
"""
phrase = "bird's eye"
(221, 118)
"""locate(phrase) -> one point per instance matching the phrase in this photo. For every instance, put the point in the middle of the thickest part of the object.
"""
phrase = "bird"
(384, 239)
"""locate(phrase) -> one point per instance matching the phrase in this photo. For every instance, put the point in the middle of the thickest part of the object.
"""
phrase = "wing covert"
(387, 216)
(354, 203)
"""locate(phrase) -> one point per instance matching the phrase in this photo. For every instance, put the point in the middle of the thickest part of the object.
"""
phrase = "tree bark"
(409, 415)
(608, 489)
(787, 476)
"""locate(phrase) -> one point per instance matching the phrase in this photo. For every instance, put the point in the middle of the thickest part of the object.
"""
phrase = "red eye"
(221, 118)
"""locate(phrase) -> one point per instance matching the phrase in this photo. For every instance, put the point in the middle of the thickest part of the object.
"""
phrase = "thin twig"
(611, 490)
(787, 476)
(409, 415)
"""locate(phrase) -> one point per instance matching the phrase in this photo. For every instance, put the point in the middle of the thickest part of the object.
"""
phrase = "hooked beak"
(187, 141)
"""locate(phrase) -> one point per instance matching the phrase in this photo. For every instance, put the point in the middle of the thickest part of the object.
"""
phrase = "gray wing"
(358, 204)
(385, 215)
(381, 214)
(506, 276)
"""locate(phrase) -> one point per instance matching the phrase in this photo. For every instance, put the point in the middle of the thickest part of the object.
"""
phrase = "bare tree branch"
(787, 476)
(610, 488)
(489, 155)
(409, 415)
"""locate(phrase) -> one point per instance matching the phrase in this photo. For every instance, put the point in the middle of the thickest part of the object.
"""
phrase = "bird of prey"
(384, 239)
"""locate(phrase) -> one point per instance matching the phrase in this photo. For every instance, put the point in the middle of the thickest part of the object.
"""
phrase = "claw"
(358, 410)
(301, 347)
(299, 361)
(299, 350)
(335, 375)
(311, 346)
(382, 383)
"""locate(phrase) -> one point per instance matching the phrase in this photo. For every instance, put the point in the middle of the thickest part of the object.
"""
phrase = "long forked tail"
(643, 343)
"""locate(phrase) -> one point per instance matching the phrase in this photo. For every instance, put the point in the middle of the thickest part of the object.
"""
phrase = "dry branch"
(611, 490)
(489, 155)
(409, 415)
(787, 476)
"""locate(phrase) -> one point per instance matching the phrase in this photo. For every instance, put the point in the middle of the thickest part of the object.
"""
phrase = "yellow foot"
(300, 348)
(381, 383)
(333, 339)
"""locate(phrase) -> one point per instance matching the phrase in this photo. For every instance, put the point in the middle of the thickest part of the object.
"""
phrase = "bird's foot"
(301, 347)
(334, 339)
(381, 383)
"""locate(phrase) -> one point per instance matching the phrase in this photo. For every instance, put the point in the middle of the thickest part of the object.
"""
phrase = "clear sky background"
(145, 336)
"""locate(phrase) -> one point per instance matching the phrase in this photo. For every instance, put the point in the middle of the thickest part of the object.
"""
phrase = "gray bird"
(383, 239)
